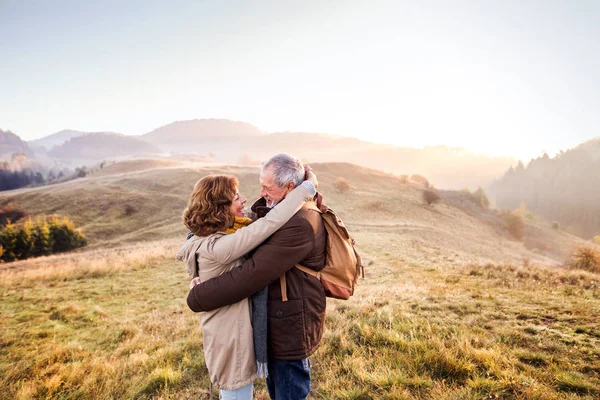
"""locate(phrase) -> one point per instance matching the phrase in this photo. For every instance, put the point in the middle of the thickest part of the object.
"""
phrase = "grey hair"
(286, 169)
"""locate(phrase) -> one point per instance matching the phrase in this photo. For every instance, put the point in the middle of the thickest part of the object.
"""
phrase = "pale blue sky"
(498, 77)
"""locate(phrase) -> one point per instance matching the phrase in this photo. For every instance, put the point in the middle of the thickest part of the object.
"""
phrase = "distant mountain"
(11, 144)
(99, 146)
(565, 188)
(184, 132)
(236, 142)
(55, 139)
(450, 168)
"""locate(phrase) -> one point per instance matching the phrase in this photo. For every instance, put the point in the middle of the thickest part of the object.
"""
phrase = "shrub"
(129, 210)
(431, 196)
(377, 206)
(44, 238)
(341, 185)
(585, 258)
(420, 179)
(403, 178)
(64, 235)
(515, 224)
(555, 225)
(481, 198)
(597, 239)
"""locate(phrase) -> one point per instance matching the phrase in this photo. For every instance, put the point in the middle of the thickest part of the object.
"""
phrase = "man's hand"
(310, 176)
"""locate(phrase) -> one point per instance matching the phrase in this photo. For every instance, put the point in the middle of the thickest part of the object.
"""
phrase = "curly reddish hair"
(209, 208)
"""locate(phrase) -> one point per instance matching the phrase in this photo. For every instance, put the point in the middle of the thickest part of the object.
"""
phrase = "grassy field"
(449, 309)
(115, 325)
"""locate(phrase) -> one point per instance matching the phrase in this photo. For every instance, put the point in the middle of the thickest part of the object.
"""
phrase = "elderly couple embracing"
(249, 331)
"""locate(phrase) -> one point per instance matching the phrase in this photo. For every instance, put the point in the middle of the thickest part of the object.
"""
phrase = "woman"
(222, 236)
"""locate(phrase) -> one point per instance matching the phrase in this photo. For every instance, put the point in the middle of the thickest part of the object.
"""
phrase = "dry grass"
(444, 312)
(411, 331)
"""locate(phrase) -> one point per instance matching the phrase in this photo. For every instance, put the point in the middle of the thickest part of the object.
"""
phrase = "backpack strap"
(318, 207)
(283, 282)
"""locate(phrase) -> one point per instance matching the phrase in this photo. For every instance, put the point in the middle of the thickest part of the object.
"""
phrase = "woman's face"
(237, 206)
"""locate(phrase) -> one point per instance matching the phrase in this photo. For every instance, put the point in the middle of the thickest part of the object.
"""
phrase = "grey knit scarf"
(259, 326)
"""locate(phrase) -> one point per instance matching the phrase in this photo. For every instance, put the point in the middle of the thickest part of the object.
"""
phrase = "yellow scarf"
(239, 222)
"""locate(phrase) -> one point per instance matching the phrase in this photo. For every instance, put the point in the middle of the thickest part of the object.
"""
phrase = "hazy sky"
(498, 77)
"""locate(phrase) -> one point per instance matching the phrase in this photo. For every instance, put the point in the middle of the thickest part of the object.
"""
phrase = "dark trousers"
(288, 379)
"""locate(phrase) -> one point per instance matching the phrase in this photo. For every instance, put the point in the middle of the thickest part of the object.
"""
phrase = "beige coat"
(228, 340)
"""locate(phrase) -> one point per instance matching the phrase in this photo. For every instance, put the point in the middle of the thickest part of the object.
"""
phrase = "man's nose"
(263, 193)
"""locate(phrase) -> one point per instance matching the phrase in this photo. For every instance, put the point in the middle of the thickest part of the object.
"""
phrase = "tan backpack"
(343, 265)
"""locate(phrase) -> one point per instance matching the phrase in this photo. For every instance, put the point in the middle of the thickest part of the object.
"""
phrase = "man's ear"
(291, 186)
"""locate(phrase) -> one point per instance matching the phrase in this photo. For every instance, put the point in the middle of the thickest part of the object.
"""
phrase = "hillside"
(56, 139)
(99, 146)
(235, 142)
(184, 133)
(450, 307)
(449, 168)
(11, 144)
(565, 188)
(136, 203)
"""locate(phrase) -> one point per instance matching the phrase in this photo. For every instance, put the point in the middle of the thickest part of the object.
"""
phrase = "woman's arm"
(229, 247)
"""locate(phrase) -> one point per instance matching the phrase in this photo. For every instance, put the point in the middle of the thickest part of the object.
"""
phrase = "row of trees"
(45, 237)
(19, 171)
(565, 189)
(16, 179)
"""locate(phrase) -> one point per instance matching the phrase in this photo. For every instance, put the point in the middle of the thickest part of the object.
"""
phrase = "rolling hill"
(181, 134)
(56, 139)
(143, 200)
(11, 144)
(237, 142)
(565, 188)
(100, 146)
(234, 142)
(450, 306)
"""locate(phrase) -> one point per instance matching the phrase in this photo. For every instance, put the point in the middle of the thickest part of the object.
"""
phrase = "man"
(295, 326)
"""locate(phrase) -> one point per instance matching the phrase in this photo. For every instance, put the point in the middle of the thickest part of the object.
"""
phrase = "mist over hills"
(11, 143)
(47, 142)
(98, 146)
(235, 142)
(565, 188)
(180, 134)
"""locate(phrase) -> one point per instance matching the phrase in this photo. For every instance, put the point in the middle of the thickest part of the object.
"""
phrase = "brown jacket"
(295, 327)
(227, 331)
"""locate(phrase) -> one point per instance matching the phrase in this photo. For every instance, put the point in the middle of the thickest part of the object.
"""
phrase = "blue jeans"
(288, 379)
(243, 393)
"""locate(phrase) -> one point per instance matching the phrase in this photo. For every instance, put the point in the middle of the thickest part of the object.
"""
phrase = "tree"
(81, 172)
(481, 197)
(24, 241)
(342, 185)
(515, 224)
(41, 238)
(431, 196)
(8, 240)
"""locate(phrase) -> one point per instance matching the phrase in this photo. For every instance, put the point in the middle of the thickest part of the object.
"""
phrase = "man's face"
(272, 193)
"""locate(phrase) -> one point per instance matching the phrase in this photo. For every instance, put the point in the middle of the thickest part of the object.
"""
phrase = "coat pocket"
(286, 328)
